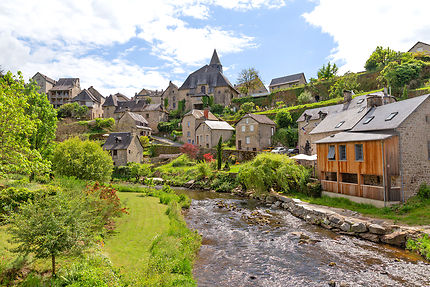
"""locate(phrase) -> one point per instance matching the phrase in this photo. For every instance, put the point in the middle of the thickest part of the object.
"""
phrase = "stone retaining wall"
(369, 229)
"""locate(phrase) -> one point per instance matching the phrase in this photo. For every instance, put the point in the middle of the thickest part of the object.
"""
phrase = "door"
(239, 144)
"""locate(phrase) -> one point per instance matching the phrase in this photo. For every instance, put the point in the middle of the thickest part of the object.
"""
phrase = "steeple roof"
(215, 60)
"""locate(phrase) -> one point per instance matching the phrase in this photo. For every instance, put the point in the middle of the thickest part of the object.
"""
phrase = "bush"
(424, 191)
(203, 170)
(182, 160)
(314, 189)
(72, 110)
(224, 182)
(190, 150)
(284, 119)
(208, 157)
(420, 245)
(305, 98)
(103, 124)
(286, 137)
(82, 159)
(275, 171)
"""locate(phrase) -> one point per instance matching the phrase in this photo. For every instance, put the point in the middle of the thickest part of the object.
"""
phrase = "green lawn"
(129, 246)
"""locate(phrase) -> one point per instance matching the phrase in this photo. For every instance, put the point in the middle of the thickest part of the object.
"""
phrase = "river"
(246, 243)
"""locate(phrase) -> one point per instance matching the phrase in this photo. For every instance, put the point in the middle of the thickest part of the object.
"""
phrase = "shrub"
(424, 191)
(190, 150)
(247, 107)
(275, 171)
(208, 157)
(284, 119)
(104, 123)
(305, 98)
(138, 170)
(224, 182)
(82, 159)
(314, 189)
(182, 160)
(286, 137)
(420, 245)
(72, 110)
(203, 170)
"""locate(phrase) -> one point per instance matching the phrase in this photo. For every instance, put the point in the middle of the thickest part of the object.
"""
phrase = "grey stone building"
(64, 90)
(170, 97)
(191, 121)
(208, 133)
(44, 82)
(132, 122)
(254, 132)
(93, 100)
(287, 82)
(124, 148)
(420, 47)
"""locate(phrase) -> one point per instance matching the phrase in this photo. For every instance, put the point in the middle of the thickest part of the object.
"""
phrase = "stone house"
(318, 123)
(152, 97)
(170, 97)
(385, 156)
(44, 82)
(93, 100)
(208, 81)
(111, 103)
(64, 91)
(420, 47)
(287, 82)
(135, 123)
(254, 132)
(209, 132)
(124, 147)
(191, 121)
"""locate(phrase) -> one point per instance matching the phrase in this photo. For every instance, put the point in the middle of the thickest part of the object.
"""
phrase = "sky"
(126, 45)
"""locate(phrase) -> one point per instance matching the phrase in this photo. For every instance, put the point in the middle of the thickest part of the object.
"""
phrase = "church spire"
(215, 62)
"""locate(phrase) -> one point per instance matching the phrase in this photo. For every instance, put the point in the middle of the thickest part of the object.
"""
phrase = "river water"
(246, 243)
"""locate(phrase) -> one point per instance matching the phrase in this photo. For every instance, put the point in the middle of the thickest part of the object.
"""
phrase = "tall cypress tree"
(219, 153)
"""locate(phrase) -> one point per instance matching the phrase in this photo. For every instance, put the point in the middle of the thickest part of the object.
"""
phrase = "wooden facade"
(375, 176)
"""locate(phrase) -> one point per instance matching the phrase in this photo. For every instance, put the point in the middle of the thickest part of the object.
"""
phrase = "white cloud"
(57, 37)
(358, 26)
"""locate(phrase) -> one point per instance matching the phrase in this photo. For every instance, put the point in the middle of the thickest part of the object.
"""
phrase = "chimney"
(347, 96)
(374, 100)
(206, 114)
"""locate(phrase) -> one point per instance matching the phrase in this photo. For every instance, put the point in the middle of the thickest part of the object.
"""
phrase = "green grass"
(129, 247)
(414, 212)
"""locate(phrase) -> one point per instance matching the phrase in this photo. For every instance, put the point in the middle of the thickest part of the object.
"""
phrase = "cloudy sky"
(126, 45)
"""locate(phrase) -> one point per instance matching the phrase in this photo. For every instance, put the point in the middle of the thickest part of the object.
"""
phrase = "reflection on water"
(238, 250)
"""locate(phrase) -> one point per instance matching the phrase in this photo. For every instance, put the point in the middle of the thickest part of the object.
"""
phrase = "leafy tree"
(25, 132)
(380, 58)
(286, 137)
(249, 80)
(138, 170)
(398, 75)
(217, 109)
(327, 72)
(144, 141)
(247, 107)
(219, 153)
(51, 226)
(190, 150)
(346, 82)
(283, 119)
(72, 110)
(82, 159)
(304, 98)
(166, 102)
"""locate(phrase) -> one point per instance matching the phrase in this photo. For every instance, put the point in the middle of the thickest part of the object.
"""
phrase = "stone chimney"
(374, 100)
(206, 114)
(347, 96)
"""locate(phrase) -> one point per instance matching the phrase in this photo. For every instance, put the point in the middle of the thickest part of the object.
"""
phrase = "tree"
(346, 82)
(248, 80)
(380, 58)
(72, 110)
(283, 119)
(327, 72)
(219, 153)
(138, 170)
(304, 98)
(50, 226)
(247, 107)
(286, 137)
(398, 75)
(25, 131)
(82, 159)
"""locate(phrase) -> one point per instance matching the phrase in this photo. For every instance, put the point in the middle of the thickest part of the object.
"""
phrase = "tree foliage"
(397, 75)
(283, 119)
(248, 80)
(327, 72)
(72, 110)
(83, 160)
(286, 137)
(27, 126)
(305, 98)
(380, 58)
(219, 153)
(346, 82)
(247, 107)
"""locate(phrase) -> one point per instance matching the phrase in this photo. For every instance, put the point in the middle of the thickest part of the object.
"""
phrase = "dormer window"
(368, 120)
(339, 124)
(391, 116)
(203, 89)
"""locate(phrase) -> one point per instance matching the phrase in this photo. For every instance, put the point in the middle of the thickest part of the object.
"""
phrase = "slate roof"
(215, 59)
(287, 79)
(349, 118)
(48, 79)
(113, 100)
(262, 119)
(64, 84)
(352, 137)
(85, 96)
(419, 42)
(403, 108)
(198, 114)
(138, 118)
(96, 93)
(219, 125)
(117, 141)
(170, 85)
(206, 75)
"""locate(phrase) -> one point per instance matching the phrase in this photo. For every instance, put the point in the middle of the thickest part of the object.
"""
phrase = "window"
(243, 128)
(368, 120)
(331, 153)
(246, 120)
(207, 138)
(251, 128)
(189, 141)
(188, 124)
(339, 124)
(391, 116)
(174, 105)
(358, 152)
(248, 140)
(203, 89)
(115, 152)
(147, 116)
(188, 134)
(129, 151)
(273, 131)
(342, 152)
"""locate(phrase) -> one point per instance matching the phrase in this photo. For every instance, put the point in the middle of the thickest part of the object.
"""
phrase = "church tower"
(215, 62)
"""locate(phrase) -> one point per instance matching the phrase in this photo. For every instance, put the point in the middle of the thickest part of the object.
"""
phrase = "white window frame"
(247, 140)
(251, 128)
(243, 128)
